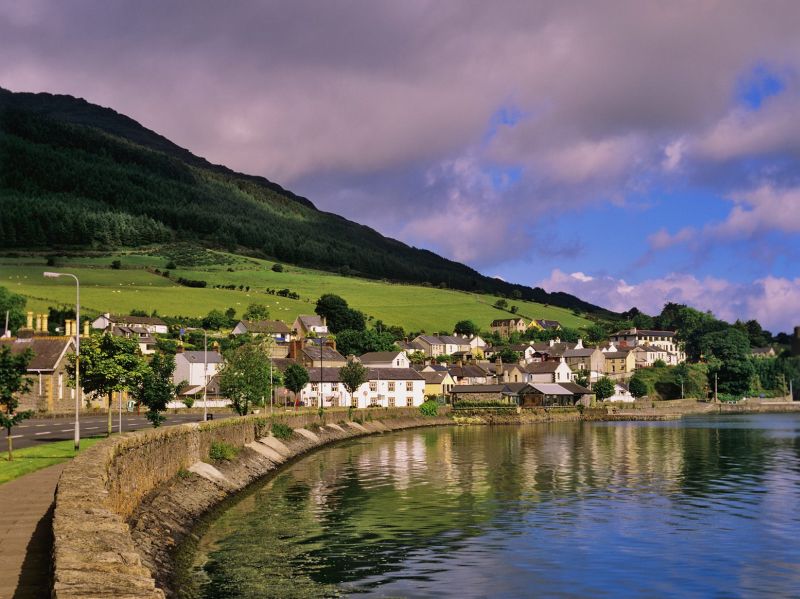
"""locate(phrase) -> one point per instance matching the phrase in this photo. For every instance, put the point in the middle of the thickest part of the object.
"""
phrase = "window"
(354, 401)
(373, 386)
(409, 401)
(409, 386)
(391, 385)
(391, 402)
(314, 387)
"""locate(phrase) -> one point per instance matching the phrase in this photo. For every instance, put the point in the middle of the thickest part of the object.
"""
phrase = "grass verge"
(30, 459)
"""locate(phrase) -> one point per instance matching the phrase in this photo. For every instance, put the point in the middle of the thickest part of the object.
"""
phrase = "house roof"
(394, 374)
(197, 357)
(616, 354)
(122, 319)
(548, 324)
(411, 345)
(575, 388)
(551, 388)
(47, 351)
(328, 354)
(644, 333)
(496, 388)
(453, 340)
(579, 353)
(329, 375)
(467, 370)
(429, 339)
(379, 356)
(762, 350)
(434, 378)
(310, 320)
(266, 326)
(542, 367)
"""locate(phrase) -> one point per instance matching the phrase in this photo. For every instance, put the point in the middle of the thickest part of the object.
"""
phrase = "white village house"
(189, 367)
(385, 387)
(153, 324)
(385, 359)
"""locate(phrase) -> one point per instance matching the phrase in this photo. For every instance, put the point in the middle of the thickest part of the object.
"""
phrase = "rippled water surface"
(696, 508)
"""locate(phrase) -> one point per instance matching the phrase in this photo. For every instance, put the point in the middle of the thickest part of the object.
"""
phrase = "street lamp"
(205, 370)
(56, 275)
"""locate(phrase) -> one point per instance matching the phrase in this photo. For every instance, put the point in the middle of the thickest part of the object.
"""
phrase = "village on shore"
(449, 368)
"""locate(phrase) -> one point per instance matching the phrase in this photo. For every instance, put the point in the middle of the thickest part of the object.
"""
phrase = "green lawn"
(103, 289)
(41, 456)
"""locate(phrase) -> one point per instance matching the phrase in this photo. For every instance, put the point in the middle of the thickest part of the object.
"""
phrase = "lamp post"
(56, 275)
(205, 369)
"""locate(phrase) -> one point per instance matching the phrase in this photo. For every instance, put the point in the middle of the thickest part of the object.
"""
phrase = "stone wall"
(100, 493)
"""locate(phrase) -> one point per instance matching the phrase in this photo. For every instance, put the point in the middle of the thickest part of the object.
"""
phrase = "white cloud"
(773, 301)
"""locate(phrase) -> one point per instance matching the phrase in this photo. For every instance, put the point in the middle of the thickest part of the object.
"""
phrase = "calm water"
(700, 508)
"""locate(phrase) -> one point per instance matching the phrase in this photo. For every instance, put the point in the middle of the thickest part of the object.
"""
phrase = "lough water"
(705, 507)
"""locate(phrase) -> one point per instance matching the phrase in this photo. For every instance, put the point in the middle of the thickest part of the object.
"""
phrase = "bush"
(116, 264)
(188, 401)
(281, 431)
(277, 267)
(222, 451)
(429, 408)
(171, 265)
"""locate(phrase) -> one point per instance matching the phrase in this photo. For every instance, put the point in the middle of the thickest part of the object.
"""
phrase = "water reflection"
(702, 507)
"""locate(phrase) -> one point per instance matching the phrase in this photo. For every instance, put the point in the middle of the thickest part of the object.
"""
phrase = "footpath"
(26, 514)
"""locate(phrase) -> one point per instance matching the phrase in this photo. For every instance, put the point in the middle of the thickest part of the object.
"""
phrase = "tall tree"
(339, 315)
(13, 382)
(637, 387)
(352, 375)
(15, 306)
(245, 377)
(728, 356)
(360, 342)
(603, 388)
(295, 377)
(155, 388)
(256, 312)
(108, 364)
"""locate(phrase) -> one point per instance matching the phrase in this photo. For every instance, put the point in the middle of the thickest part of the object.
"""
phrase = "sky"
(630, 153)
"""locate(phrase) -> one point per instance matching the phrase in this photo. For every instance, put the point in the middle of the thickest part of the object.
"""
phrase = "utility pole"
(716, 398)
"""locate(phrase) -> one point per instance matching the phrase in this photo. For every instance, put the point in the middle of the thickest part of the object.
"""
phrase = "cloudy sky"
(631, 153)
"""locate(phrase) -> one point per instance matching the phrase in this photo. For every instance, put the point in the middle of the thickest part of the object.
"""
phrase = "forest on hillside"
(65, 184)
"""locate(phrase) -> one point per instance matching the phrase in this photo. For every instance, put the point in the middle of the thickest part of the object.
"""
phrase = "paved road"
(38, 431)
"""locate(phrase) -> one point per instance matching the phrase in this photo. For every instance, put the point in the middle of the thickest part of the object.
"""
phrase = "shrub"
(116, 264)
(184, 473)
(429, 408)
(281, 430)
(171, 265)
(350, 411)
(188, 401)
(314, 427)
(277, 267)
(222, 451)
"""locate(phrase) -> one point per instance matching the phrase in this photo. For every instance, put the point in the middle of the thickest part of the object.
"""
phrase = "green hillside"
(75, 175)
(136, 286)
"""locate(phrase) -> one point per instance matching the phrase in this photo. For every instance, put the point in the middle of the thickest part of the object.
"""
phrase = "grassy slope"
(103, 289)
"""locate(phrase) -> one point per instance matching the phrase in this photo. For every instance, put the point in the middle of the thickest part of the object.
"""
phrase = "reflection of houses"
(189, 366)
(46, 370)
(276, 329)
(153, 324)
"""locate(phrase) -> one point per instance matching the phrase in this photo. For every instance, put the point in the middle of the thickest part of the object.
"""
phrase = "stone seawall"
(116, 522)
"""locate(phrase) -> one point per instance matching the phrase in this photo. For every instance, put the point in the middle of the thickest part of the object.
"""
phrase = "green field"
(30, 459)
(103, 289)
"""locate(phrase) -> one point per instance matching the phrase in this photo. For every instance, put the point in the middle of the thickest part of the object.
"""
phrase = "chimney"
(551, 343)
(498, 366)
(67, 328)
(579, 345)
(86, 328)
(29, 322)
(330, 343)
(38, 322)
(44, 322)
(294, 346)
(180, 347)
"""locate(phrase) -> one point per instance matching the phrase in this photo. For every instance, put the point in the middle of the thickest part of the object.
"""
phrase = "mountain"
(76, 175)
